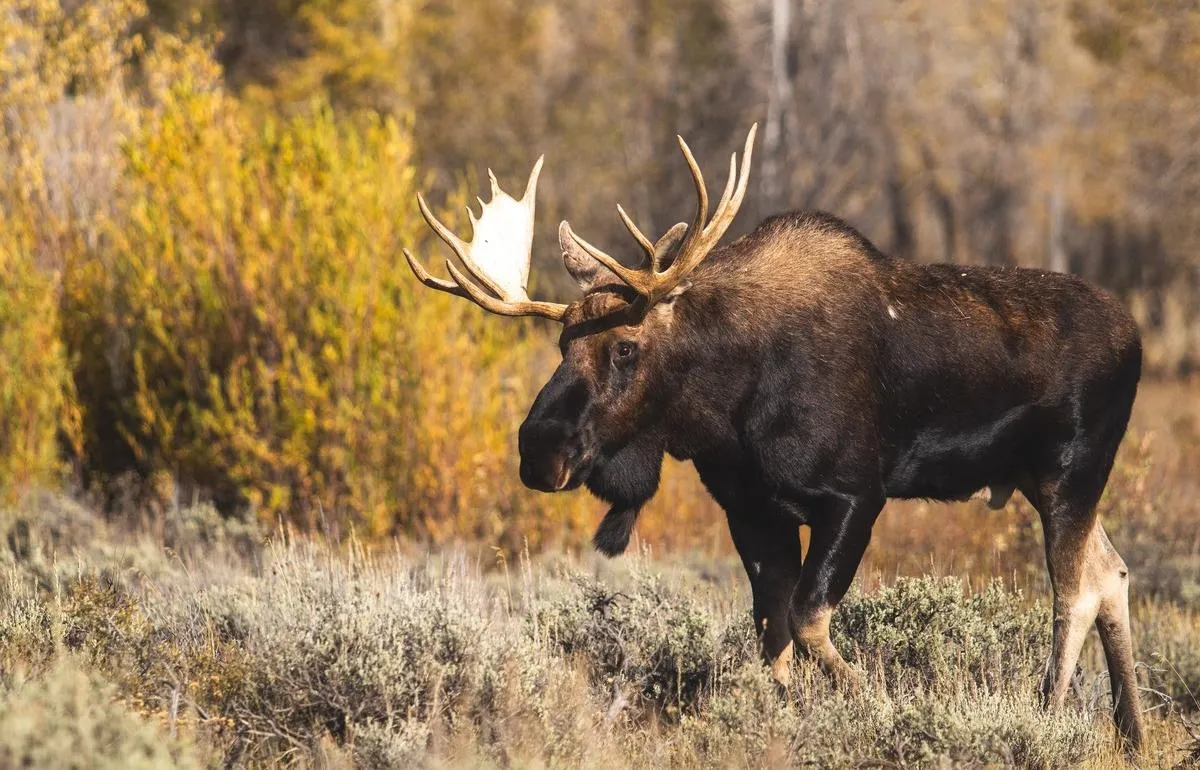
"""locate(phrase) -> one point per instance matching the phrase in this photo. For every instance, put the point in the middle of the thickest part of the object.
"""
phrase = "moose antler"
(654, 283)
(497, 256)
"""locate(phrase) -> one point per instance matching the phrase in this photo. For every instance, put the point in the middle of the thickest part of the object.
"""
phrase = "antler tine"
(453, 241)
(731, 199)
(690, 256)
(701, 193)
(434, 283)
(531, 186)
(744, 178)
(640, 281)
(637, 234)
(726, 213)
(551, 310)
(729, 183)
(461, 249)
(694, 250)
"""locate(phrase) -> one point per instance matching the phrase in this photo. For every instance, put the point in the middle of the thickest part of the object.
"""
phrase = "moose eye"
(624, 350)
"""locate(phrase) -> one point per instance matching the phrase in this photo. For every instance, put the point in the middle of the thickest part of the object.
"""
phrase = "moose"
(809, 378)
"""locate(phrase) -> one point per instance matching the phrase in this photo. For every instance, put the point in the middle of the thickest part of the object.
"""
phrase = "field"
(259, 498)
(198, 642)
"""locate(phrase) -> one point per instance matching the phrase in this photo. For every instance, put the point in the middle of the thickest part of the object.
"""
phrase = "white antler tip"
(530, 193)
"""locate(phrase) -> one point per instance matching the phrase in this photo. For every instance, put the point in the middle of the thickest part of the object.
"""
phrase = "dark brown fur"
(810, 377)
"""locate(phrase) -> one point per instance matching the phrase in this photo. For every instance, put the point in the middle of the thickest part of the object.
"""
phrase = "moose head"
(595, 421)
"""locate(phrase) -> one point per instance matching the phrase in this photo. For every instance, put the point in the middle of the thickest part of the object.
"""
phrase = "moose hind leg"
(1076, 603)
(1112, 623)
(1090, 582)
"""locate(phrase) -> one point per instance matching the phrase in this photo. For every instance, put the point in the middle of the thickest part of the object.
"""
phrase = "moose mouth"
(556, 455)
(573, 471)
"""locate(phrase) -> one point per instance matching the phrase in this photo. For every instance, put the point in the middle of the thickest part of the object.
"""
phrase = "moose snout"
(553, 458)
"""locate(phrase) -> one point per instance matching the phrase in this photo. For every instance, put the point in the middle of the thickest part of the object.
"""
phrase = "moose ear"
(668, 246)
(586, 271)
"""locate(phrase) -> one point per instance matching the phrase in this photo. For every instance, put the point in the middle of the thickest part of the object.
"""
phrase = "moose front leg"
(768, 541)
(769, 547)
(840, 534)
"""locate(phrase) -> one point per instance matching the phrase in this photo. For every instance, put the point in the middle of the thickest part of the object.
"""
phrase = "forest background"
(203, 202)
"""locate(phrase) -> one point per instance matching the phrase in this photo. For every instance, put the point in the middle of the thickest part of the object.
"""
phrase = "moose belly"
(985, 460)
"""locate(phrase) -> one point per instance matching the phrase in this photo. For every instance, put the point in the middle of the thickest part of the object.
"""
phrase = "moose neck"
(705, 384)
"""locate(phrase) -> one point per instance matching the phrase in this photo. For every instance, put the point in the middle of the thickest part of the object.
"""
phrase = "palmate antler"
(651, 282)
(497, 256)
(501, 245)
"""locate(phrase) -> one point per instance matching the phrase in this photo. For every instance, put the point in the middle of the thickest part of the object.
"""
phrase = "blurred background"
(202, 205)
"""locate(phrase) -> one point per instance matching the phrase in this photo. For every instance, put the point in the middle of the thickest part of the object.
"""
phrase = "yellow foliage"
(34, 379)
(207, 298)
(45, 51)
(246, 325)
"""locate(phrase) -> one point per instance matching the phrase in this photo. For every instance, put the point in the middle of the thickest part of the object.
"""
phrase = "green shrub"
(70, 719)
(661, 646)
(932, 628)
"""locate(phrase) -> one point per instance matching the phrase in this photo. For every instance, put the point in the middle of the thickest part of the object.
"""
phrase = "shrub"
(380, 660)
(50, 541)
(660, 646)
(746, 721)
(314, 653)
(197, 532)
(1166, 641)
(932, 628)
(247, 326)
(70, 719)
(223, 288)
(34, 377)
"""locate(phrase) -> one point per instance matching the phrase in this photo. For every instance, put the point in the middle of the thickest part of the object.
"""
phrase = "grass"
(302, 653)
(197, 641)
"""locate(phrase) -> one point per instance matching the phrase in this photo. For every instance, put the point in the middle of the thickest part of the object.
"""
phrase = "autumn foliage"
(228, 316)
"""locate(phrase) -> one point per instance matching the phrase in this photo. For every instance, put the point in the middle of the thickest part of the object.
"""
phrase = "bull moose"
(810, 377)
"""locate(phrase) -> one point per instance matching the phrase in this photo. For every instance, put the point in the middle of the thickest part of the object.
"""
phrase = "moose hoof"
(847, 678)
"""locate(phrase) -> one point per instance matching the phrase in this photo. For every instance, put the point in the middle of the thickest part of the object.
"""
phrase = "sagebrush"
(296, 651)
